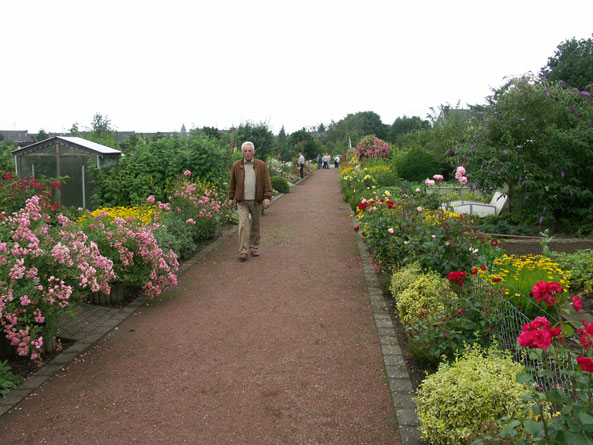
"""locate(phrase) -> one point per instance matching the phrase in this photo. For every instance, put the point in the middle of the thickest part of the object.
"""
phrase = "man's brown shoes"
(254, 253)
(243, 257)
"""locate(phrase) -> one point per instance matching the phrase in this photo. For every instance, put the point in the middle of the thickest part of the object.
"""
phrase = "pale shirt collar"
(249, 162)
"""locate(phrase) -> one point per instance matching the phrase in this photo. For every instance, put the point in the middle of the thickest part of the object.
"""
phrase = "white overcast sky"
(155, 65)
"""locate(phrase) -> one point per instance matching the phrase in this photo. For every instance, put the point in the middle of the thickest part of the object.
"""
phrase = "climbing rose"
(187, 173)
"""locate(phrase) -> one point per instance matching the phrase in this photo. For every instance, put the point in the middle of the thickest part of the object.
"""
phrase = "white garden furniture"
(480, 209)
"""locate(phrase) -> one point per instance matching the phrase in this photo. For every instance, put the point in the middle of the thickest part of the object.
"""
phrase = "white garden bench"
(480, 209)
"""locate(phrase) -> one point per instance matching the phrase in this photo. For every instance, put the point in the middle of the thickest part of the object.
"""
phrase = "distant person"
(319, 161)
(326, 159)
(250, 186)
(337, 161)
(302, 165)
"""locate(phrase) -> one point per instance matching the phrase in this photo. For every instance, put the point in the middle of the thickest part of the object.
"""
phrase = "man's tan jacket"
(263, 186)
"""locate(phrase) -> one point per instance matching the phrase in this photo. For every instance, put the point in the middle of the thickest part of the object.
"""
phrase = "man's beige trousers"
(249, 230)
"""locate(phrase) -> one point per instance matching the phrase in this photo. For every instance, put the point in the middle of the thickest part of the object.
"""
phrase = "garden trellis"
(64, 156)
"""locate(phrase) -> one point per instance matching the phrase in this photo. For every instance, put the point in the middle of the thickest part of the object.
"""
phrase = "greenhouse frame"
(66, 156)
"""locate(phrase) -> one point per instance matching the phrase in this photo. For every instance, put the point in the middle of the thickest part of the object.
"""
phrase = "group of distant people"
(323, 161)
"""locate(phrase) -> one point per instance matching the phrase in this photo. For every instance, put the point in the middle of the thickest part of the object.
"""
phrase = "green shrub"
(175, 234)
(423, 295)
(403, 278)
(462, 402)
(280, 184)
(8, 380)
(417, 165)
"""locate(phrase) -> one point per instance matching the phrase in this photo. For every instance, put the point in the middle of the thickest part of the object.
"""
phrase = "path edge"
(400, 384)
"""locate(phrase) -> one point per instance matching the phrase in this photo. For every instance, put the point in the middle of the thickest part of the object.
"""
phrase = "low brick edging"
(402, 392)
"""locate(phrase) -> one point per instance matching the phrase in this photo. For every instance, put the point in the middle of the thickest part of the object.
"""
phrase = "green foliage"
(505, 223)
(41, 136)
(354, 126)
(463, 401)
(304, 142)
(149, 168)
(579, 265)
(8, 380)
(572, 63)
(403, 278)
(280, 184)
(259, 134)
(425, 294)
(535, 137)
(6, 158)
(404, 125)
(102, 131)
(417, 165)
(467, 319)
(175, 234)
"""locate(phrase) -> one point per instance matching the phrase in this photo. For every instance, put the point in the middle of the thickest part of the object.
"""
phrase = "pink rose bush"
(371, 147)
(41, 269)
(138, 260)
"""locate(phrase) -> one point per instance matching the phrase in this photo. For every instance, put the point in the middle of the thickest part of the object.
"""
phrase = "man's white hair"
(244, 144)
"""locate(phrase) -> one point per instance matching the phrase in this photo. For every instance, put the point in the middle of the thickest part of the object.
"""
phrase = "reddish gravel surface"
(281, 349)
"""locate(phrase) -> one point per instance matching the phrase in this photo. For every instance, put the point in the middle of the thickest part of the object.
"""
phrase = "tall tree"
(304, 142)
(573, 63)
(354, 127)
(403, 125)
(259, 134)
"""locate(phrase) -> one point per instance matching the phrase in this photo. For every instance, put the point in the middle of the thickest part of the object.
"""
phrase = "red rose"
(356, 229)
(494, 242)
(577, 303)
(546, 292)
(496, 280)
(474, 270)
(586, 363)
(483, 268)
(586, 335)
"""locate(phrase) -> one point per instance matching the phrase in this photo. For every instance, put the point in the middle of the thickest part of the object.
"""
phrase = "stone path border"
(402, 392)
(92, 323)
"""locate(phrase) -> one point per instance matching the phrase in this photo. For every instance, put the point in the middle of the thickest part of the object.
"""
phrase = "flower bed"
(409, 235)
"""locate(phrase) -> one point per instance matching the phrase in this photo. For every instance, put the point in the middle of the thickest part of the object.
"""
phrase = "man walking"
(250, 186)
(302, 164)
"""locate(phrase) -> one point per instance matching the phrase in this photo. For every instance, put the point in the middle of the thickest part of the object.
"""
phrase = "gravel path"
(281, 349)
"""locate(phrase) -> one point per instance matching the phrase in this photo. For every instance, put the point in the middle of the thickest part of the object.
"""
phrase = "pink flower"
(390, 230)
(463, 180)
(150, 199)
(438, 177)
(460, 169)
(419, 208)
(429, 182)
(187, 173)
(417, 190)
